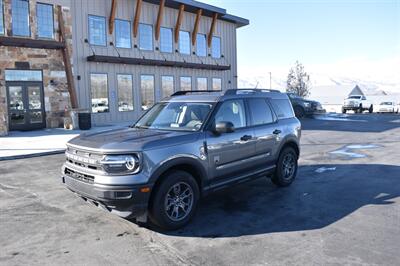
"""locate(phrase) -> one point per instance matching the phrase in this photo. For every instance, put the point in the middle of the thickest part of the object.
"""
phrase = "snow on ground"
(348, 151)
(336, 117)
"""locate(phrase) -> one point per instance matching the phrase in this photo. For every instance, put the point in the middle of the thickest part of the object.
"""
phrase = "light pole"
(270, 80)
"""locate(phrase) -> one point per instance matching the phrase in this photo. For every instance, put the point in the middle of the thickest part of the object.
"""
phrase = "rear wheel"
(286, 168)
(360, 109)
(299, 111)
(175, 200)
(344, 111)
(371, 109)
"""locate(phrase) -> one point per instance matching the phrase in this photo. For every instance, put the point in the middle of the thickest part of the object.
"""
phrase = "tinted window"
(97, 30)
(145, 37)
(201, 49)
(232, 111)
(166, 40)
(184, 42)
(122, 33)
(44, 14)
(283, 108)
(260, 112)
(20, 17)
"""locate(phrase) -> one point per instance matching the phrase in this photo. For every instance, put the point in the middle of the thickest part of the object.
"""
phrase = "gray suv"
(184, 147)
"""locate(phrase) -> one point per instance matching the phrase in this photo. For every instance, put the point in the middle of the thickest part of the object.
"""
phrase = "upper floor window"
(123, 34)
(201, 45)
(216, 47)
(97, 30)
(20, 18)
(184, 42)
(1, 18)
(166, 40)
(45, 21)
(145, 37)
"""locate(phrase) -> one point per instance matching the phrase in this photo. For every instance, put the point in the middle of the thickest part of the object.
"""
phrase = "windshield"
(175, 116)
(386, 103)
(294, 96)
(354, 97)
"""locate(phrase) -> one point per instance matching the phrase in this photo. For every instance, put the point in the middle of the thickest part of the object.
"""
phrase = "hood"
(129, 139)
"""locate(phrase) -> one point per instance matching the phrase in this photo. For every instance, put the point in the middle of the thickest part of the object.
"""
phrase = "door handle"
(277, 131)
(245, 137)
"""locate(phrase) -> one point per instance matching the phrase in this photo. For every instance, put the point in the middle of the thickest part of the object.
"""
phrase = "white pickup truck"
(357, 103)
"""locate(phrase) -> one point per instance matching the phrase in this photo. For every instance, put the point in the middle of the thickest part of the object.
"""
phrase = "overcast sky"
(317, 33)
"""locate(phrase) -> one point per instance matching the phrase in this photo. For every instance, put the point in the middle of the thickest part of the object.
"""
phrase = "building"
(114, 58)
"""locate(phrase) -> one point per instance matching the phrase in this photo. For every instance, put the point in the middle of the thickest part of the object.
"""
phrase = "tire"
(344, 111)
(299, 112)
(360, 109)
(174, 217)
(371, 109)
(281, 177)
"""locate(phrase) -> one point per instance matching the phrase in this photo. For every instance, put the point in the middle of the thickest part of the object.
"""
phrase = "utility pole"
(270, 80)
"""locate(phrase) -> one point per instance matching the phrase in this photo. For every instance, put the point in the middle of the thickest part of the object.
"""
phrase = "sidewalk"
(25, 144)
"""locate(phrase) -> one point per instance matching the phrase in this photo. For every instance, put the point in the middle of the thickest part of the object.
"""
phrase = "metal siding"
(126, 10)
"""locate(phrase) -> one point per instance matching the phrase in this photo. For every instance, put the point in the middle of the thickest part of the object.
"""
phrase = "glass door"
(25, 105)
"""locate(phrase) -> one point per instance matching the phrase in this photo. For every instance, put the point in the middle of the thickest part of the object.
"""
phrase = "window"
(186, 83)
(99, 91)
(166, 40)
(147, 91)
(20, 18)
(260, 112)
(201, 49)
(123, 34)
(167, 85)
(184, 42)
(202, 84)
(283, 108)
(125, 92)
(216, 47)
(97, 30)
(45, 21)
(23, 75)
(1, 17)
(145, 37)
(232, 111)
(216, 84)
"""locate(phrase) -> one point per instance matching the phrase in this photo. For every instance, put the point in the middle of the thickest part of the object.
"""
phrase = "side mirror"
(224, 127)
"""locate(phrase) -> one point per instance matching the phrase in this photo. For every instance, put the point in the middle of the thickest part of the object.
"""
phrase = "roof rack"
(178, 93)
(248, 91)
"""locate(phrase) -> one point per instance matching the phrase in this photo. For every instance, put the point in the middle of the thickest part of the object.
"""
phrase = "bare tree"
(298, 81)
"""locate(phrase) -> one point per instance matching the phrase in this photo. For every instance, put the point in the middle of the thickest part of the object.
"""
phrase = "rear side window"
(232, 111)
(283, 108)
(260, 112)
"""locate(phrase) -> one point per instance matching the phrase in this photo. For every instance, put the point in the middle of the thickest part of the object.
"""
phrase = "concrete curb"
(32, 155)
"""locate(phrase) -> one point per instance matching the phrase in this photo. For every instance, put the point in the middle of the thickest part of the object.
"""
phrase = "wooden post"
(137, 17)
(159, 19)
(112, 16)
(212, 29)
(67, 60)
(178, 22)
(196, 26)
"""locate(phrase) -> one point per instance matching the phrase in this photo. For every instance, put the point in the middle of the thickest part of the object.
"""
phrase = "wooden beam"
(212, 29)
(112, 16)
(30, 43)
(179, 22)
(159, 19)
(137, 17)
(196, 26)
(67, 60)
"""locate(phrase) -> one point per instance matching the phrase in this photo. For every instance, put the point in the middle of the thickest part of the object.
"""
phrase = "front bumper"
(314, 111)
(126, 201)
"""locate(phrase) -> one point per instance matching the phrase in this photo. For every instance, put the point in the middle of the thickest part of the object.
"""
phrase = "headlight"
(306, 104)
(121, 163)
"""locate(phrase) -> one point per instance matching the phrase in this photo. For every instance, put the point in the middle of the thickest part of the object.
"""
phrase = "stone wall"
(56, 94)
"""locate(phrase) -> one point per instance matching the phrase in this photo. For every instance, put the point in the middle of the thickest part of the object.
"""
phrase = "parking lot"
(343, 208)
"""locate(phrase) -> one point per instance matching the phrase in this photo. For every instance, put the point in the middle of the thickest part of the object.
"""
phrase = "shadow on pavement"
(352, 122)
(313, 201)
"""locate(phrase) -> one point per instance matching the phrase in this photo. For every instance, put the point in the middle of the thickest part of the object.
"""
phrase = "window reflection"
(125, 93)
(145, 37)
(184, 42)
(217, 84)
(99, 89)
(20, 18)
(201, 49)
(186, 83)
(167, 86)
(44, 14)
(122, 33)
(202, 84)
(216, 47)
(147, 91)
(97, 30)
(166, 40)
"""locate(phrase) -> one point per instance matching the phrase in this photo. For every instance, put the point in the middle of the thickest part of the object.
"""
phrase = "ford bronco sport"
(184, 147)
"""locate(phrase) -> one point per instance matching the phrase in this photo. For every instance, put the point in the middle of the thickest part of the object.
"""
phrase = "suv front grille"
(83, 158)
(79, 176)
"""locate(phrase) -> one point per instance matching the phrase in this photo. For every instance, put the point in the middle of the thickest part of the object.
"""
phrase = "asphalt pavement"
(343, 208)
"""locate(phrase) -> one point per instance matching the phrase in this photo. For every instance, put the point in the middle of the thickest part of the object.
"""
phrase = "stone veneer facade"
(56, 96)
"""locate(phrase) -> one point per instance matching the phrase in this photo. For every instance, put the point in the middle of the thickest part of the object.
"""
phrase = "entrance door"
(25, 105)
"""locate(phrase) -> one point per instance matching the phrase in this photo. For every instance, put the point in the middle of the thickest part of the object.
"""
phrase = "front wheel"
(344, 111)
(286, 168)
(371, 108)
(175, 200)
(299, 112)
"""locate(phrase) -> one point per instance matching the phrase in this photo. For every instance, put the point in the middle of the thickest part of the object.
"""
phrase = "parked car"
(303, 107)
(387, 107)
(182, 148)
(357, 103)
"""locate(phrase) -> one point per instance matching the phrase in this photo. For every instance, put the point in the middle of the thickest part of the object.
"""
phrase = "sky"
(334, 36)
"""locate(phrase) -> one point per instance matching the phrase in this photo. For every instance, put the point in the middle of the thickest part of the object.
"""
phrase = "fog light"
(123, 195)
